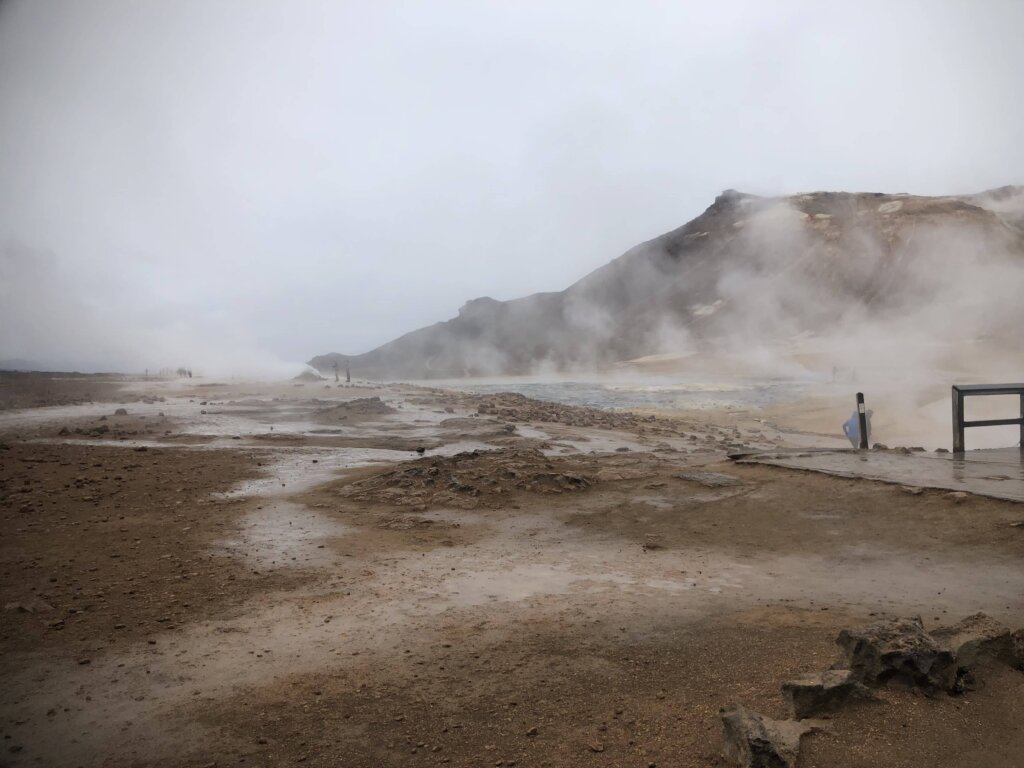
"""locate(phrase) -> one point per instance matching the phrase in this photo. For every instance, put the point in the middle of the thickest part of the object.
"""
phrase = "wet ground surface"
(996, 472)
(232, 583)
(671, 394)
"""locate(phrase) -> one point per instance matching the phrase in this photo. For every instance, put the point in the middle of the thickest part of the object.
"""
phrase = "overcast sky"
(234, 184)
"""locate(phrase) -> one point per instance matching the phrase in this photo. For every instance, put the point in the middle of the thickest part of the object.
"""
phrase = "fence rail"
(961, 391)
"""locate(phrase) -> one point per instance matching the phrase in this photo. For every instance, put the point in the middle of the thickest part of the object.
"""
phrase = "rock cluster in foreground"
(894, 652)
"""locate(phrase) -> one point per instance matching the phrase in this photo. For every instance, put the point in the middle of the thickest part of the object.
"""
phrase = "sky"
(241, 185)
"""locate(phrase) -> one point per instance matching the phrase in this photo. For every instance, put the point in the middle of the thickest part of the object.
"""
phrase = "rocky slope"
(748, 271)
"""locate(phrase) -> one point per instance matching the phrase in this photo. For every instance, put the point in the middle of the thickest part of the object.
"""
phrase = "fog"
(238, 186)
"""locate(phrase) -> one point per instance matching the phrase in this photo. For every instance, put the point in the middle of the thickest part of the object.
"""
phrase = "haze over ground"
(238, 186)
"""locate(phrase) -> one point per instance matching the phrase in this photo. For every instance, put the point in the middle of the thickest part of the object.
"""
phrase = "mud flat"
(297, 574)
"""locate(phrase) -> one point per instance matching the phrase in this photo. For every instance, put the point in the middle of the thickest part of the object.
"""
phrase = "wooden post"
(862, 418)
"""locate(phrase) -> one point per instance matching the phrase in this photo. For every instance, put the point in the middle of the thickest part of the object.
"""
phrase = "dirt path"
(271, 578)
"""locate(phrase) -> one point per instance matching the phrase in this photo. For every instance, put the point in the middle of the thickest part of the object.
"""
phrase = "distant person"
(336, 379)
(851, 428)
(190, 373)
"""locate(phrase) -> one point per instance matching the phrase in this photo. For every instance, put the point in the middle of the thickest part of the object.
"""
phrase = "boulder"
(819, 692)
(897, 652)
(976, 640)
(755, 741)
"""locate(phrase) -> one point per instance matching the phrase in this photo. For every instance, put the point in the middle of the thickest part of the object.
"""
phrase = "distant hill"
(19, 364)
(748, 271)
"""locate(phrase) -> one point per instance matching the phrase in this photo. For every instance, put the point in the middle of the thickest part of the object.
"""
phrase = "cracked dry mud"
(250, 590)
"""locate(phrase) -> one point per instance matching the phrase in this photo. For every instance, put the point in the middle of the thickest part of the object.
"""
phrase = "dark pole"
(862, 417)
(958, 420)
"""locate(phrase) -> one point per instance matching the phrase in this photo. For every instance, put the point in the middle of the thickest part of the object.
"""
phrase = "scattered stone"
(756, 741)
(709, 479)
(32, 605)
(958, 497)
(652, 541)
(121, 412)
(819, 692)
(897, 652)
(880, 447)
(913, 490)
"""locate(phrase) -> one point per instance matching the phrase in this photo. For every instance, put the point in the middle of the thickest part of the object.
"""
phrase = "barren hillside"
(750, 271)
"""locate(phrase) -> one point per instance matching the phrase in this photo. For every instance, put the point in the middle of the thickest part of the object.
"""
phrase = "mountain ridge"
(764, 268)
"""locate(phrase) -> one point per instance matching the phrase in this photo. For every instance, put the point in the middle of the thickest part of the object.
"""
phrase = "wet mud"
(427, 586)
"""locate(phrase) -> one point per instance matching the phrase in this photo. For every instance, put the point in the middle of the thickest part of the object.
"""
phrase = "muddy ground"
(275, 575)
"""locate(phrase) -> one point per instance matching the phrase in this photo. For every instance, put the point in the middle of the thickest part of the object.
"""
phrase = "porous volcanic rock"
(755, 741)
(816, 693)
(897, 652)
